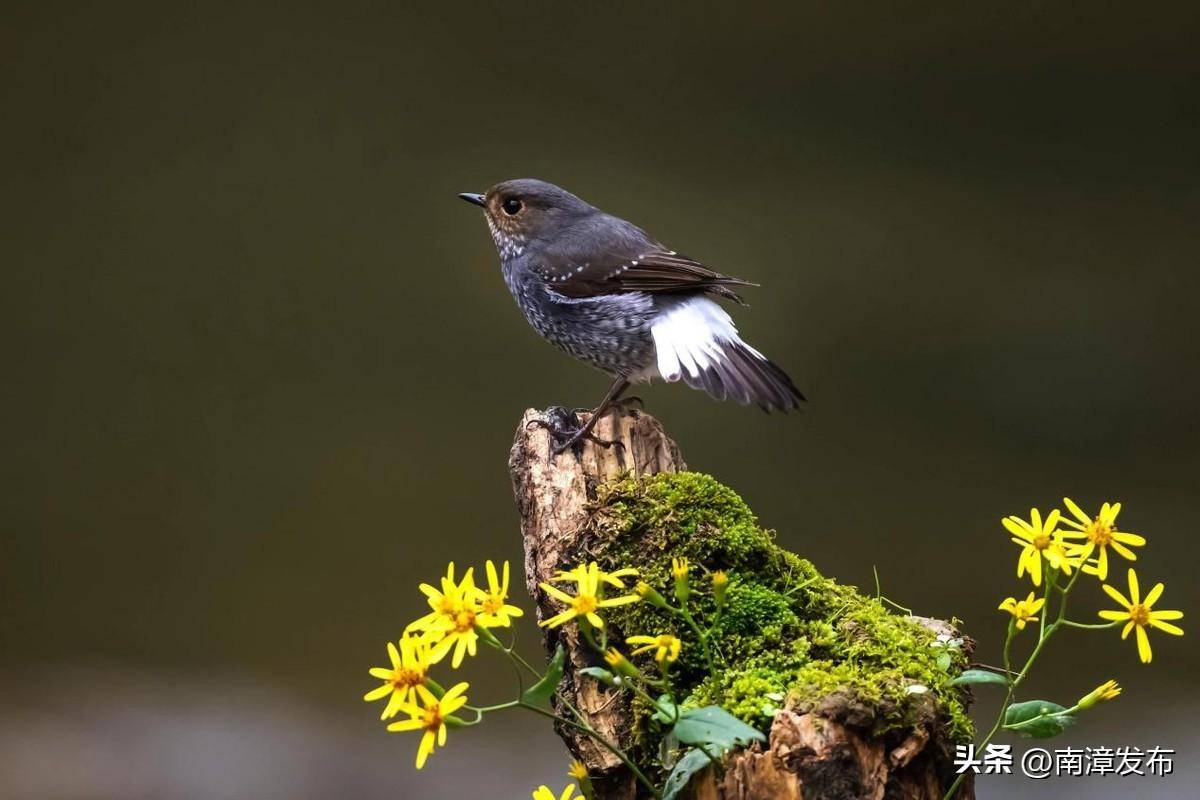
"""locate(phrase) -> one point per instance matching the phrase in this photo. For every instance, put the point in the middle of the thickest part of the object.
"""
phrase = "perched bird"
(604, 291)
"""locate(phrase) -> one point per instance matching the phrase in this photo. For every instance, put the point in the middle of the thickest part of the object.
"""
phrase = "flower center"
(464, 620)
(1041, 541)
(1139, 614)
(492, 603)
(1099, 533)
(405, 678)
(431, 718)
(585, 604)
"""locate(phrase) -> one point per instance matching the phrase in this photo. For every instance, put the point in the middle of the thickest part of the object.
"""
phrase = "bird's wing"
(654, 269)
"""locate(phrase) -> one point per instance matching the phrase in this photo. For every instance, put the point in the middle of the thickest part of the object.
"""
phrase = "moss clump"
(788, 635)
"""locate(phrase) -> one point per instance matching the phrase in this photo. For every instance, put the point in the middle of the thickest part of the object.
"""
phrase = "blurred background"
(262, 372)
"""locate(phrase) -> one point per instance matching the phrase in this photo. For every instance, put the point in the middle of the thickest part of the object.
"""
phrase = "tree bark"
(818, 752)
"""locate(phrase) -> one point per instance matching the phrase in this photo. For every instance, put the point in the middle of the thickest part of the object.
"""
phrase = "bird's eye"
(511, 206)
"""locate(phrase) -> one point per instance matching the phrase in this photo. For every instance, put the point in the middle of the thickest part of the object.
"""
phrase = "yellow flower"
(619, 663)
(1038, 538)
(679, 568)
(578, 771)
(1023, 610)
(410, 665)
(588, 598)
(543, 793)
(1100, 533)
(431, 718)
(651, 595)
(1105, 691)
(1140, 616)
(444, 604)
(493, 611)
(451, 622)
(720, 585)
(666, 647)
(582, 572)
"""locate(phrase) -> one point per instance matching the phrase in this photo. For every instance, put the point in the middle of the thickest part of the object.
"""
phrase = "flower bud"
(488, 637)
(1105, 691)
(679, 569)
(619, 663)
(579, 772)
(650, 594)
(720, 584)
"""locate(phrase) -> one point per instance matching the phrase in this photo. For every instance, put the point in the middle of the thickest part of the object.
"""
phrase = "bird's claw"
(566, 432)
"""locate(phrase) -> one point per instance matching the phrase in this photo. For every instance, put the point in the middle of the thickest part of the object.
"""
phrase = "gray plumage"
(602, 290)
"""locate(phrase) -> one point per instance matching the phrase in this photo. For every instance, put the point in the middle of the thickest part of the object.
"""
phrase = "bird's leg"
(559, 429)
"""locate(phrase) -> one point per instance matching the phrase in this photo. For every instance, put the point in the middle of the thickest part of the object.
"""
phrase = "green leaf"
(714, 725)
(599, 673)
(693, 761)
(1040, 719)
(542, 690)
(664, 709)
(973, 676)
(943, 661)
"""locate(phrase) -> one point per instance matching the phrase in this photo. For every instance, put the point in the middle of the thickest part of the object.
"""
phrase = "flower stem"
(701, 636)
(1090, 626)
(1044, 633)
(607, 745)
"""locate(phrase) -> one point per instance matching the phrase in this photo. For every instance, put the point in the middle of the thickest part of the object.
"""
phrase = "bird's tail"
(697, 341)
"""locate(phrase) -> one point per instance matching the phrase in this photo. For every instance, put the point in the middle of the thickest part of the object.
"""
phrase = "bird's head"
(525, 209)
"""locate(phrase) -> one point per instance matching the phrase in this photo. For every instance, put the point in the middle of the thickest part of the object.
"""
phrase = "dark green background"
(261, 372)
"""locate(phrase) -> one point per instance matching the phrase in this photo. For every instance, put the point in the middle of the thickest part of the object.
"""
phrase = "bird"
(601, 289)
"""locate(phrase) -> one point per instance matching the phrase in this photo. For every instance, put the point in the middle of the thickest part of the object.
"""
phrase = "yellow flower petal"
(393, 705)
(558, 619)
(1115, 595)
(1134, 593)
(619, 601)
(1143, 643)
(1125, 537)
(1166, 627)
(1153, 595)
(1113, 615)
(406, 725)
(1083, 518)
(454, 691)
(424, 749)
(1123, 551)
(1017, 527)
(1166, 614)
(377, 692)
(556, 593)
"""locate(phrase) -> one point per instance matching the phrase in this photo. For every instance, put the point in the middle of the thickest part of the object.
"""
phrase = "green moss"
(788, 636)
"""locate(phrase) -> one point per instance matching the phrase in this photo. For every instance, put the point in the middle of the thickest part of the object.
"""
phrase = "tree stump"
(825, 748)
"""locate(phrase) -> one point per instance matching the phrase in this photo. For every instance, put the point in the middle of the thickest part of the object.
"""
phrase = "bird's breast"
(610, 332)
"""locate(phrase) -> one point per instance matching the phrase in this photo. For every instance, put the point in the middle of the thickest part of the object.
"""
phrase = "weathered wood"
(823, 752)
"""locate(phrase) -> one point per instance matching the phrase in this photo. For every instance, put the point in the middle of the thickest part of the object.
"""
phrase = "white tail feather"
(689, 337)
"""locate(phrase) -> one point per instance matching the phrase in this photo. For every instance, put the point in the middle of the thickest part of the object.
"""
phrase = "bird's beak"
(471, 197)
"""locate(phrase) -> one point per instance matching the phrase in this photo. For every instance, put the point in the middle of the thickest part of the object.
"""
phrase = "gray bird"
(599, 288)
